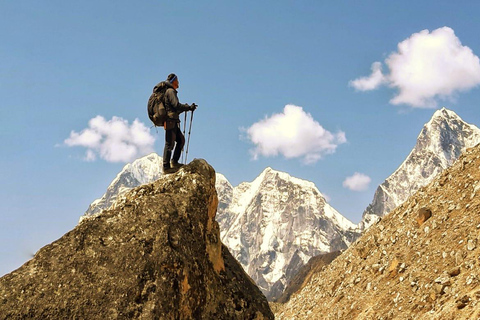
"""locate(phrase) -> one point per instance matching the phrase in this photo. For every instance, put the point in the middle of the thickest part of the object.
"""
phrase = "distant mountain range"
(276, 223)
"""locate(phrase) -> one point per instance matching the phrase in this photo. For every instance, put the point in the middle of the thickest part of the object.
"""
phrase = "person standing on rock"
(174, 138)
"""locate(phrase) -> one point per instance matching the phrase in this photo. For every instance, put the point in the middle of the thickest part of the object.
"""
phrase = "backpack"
(156, 107)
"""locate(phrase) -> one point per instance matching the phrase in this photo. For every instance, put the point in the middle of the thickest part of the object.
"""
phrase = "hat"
(171, 77)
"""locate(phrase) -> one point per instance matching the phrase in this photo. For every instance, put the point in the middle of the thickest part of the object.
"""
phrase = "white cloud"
(371, 82)
(113, 140)
(293, 134)
(357, 182)
(428, 66)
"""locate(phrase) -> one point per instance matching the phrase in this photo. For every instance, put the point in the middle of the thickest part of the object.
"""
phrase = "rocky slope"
(439, 144)
(275, 224)
(419, 262)
(303, 276)
(156, 255)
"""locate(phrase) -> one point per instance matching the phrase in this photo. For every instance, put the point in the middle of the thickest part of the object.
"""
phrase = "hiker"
(174, 138)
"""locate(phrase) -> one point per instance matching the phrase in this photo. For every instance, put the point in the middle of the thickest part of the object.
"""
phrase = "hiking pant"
(173, 138)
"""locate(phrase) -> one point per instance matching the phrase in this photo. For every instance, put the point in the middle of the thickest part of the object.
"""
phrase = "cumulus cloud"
(294, 134)
(113, 140)
(428, 66)
(371, 82)
(357, 182)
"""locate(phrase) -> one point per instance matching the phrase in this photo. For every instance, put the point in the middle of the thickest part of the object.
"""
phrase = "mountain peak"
(145, 167)
(445, 113)
(441, 141)
(446, 133)
(269, 169)
(143, 170)
(276, 223)
(269, 174)
(221, 179)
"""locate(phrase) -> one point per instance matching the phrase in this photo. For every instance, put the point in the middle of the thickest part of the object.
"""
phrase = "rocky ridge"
(156, 255)
(419, 262)
(441, 141)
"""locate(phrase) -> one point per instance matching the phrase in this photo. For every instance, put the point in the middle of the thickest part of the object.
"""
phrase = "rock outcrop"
(421, 261)
(156, 255)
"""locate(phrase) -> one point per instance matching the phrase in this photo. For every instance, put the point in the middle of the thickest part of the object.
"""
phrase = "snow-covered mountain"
(137, 173)
(439, 144)
(225, 194)
(275, 224)
(272, 225)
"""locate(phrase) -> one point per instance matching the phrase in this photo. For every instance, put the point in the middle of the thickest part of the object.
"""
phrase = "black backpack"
(156, 107)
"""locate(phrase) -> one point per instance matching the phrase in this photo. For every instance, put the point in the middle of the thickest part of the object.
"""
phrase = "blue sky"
(64, 63)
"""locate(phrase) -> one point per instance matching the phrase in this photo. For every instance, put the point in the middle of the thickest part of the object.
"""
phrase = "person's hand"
(193, 107)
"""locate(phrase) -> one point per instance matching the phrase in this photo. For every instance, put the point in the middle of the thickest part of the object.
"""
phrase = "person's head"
(173, 79)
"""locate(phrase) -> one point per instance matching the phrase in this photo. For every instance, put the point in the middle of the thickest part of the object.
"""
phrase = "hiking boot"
(176, 165)
(168, 170)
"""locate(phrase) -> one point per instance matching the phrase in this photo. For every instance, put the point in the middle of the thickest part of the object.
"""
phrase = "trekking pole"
(188, 141)
(184, 128)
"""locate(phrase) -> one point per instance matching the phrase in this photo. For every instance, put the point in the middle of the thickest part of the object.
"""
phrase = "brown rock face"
(400, 270)
(156, 255)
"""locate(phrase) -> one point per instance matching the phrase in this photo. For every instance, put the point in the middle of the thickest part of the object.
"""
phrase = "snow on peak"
(444, 120)
(141, 171)
(447, 135)
(222, 181)
(439, 144)
(270, 180)
(445, 113)
(442, 116)
(145, 169)
(270, 174)
(270, 222)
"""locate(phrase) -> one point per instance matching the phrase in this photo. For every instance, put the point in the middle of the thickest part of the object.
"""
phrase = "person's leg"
(167, 150)
(180, 142)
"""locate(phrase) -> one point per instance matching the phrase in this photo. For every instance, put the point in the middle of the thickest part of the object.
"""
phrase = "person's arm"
(172, 101)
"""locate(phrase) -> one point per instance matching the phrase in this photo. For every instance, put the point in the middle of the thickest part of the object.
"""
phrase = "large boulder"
(155, 254)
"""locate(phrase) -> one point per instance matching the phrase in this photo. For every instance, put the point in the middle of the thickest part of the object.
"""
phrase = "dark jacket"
(172, 105)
